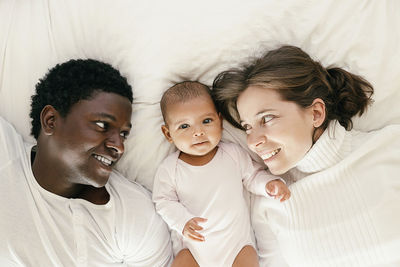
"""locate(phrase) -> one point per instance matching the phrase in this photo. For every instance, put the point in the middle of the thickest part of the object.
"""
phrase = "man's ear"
(165, 130)
(48, 118)
(318, 112)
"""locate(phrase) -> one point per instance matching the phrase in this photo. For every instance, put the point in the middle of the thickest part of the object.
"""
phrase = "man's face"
(90, 139)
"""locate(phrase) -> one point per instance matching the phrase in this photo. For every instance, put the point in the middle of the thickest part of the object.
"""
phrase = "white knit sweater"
(345, 204)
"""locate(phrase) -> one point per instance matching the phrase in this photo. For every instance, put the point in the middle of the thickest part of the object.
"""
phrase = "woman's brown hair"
(297, 78)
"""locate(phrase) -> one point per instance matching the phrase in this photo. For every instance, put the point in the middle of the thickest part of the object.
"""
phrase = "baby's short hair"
(182, 92)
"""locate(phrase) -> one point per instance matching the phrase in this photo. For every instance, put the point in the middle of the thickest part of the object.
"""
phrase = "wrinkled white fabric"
(213, 191)
(345, 205)
(39, 228)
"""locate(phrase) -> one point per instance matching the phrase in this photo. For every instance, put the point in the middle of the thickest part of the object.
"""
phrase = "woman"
(345, 184)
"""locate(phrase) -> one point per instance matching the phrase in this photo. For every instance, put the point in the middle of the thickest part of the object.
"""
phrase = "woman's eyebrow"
(264, 111)
(260, 113)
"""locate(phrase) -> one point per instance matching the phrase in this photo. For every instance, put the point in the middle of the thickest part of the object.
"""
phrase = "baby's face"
(194, 126)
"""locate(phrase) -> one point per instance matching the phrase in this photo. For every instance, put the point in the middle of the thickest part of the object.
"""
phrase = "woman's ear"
(165, 130)
(318, 112)
(48, 119)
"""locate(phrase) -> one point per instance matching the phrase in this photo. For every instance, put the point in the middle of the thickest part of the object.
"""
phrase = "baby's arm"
(257, 180)
(167, 202)
(278, 189)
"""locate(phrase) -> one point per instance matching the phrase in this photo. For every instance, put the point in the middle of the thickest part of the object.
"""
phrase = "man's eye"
(184, 126)
(208, 120)
(124, 134)
(101, 124)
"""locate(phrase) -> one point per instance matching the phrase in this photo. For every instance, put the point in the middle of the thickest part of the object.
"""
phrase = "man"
(61, 202)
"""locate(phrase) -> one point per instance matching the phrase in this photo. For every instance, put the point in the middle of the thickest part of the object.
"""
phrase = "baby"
(202, 183)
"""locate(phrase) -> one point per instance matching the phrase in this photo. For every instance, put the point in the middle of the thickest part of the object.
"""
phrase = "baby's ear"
(165, 130)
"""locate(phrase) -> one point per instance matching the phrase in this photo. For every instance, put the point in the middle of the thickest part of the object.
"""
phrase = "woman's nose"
(255, 139)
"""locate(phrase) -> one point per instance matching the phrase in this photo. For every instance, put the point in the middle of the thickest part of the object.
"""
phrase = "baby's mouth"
(200, 143)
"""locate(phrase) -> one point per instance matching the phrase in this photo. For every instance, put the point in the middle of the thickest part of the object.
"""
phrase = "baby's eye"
(208, 120)
(101, 124)
(184, 126)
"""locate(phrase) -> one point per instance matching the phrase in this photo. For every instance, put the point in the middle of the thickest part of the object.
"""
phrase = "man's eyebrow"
(111, 117)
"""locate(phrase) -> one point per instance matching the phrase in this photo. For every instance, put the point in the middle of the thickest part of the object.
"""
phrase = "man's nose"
(116, 142)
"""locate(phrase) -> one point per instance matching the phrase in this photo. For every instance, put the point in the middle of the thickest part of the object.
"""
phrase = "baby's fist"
(278, 189)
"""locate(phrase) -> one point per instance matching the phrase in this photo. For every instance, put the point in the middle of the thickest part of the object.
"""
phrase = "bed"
(158, 43)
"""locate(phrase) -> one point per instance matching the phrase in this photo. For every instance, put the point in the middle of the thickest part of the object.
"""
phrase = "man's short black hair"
(67, 83)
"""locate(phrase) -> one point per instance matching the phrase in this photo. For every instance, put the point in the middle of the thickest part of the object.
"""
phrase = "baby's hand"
(278, 190)
(191, 228)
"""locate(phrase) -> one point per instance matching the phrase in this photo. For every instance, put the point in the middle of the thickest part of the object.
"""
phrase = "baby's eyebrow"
(178, 122)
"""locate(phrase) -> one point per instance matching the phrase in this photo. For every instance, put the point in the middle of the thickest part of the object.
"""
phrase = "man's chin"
(99, 180)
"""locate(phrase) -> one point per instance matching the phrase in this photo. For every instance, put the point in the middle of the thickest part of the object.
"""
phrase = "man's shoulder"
(11, 143)
(129, 197)
(125, 188)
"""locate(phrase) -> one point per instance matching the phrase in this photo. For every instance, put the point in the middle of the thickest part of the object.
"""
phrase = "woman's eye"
(207, 121)
(266, 118)
(184, 126)
(246, 127)
(101, 124)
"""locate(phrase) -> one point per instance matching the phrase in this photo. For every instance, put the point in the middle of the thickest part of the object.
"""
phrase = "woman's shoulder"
(381, 145)
(390, 129)
(387, 135)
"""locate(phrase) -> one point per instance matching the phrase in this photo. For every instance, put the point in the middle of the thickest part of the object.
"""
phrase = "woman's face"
(279, 131)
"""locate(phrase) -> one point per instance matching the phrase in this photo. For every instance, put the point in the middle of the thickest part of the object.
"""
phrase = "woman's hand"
(191, 228)
(278, 190)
